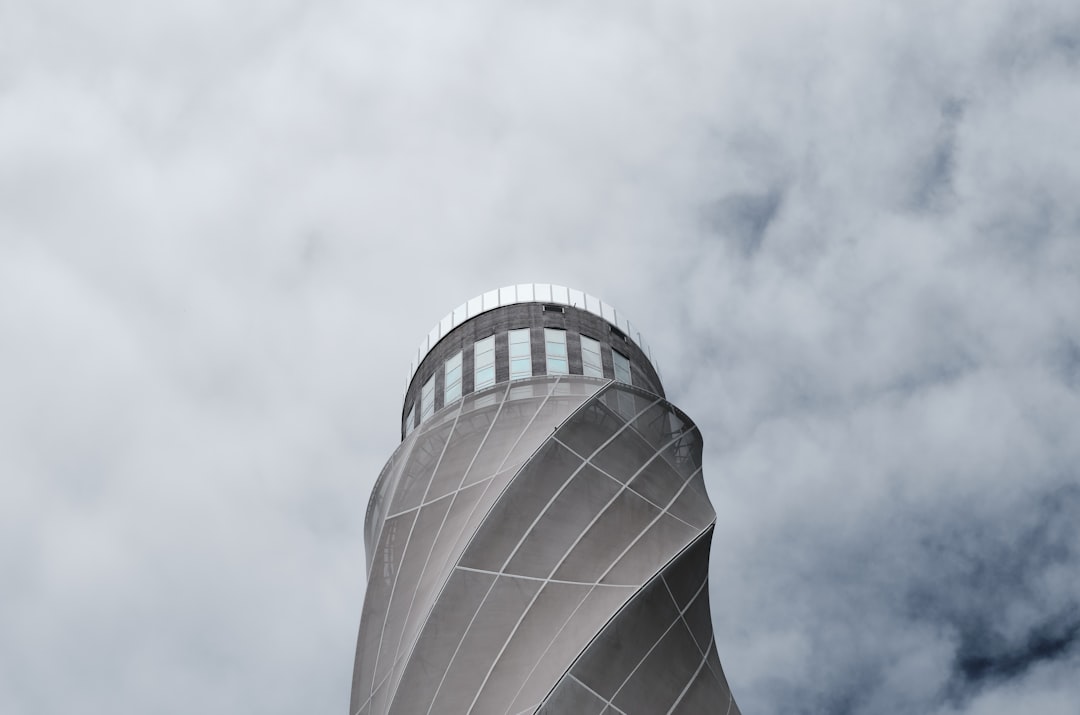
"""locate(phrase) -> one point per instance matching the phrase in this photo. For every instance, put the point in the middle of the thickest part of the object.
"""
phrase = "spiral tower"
(539, 541)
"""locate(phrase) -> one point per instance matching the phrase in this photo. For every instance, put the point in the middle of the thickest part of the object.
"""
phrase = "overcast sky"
(848, 229)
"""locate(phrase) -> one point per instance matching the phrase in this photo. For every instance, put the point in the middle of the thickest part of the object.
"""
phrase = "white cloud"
(848, 230)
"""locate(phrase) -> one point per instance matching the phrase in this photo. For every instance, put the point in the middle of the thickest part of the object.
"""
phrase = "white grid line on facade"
(546, 580)
(571, 549)
(498, 471)
(489, 481)
(645, 657)
(712, 670)
(604, 574)
(627, 485)
(510, 451)
(426, 431)
(404, 554)
(689, 682)
(525, 680)
(582, 684)
(460, 488)
(480, 500)
(560, 562)
(685, 623)
(464, 635)
(462, 484)
(620, 608)
(562, 488)
(378, 535)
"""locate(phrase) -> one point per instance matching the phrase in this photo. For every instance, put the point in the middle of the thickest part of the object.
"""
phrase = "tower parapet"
(481, 343)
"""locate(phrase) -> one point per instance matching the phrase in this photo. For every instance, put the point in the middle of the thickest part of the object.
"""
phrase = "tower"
(539, 541)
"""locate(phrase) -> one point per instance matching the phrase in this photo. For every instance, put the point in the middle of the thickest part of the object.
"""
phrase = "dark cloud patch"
(741, 220)
(990, 580)
(933, 184)
(1048, 641)
(1065, 361)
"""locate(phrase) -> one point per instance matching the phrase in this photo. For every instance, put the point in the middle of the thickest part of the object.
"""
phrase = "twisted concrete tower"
(539, 542)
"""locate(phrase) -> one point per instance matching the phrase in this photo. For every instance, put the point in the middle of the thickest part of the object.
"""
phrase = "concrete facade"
(541, 545)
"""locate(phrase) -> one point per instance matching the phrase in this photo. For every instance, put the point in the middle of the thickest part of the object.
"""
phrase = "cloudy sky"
(848, 229)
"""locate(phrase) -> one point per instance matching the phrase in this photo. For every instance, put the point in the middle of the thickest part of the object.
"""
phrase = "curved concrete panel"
(524, 537)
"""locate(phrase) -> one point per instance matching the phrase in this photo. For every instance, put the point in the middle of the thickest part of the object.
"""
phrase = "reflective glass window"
(409, 420)
(520, 354)
(452, 379)
(427, 399)
(484, 352)
(622, 367)
(590, 358)
(555, 347)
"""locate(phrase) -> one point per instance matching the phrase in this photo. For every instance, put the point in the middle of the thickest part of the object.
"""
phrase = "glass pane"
(591, 366)
(453, 392)
(485, 377)
(557, 366)
(484, 347)
(622, 367)
(427, 399)
(452, 380)
(520, 367)
(484, 359)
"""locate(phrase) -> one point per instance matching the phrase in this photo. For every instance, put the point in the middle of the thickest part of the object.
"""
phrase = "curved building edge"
(525, 293)
(519, 340)
(539, 451)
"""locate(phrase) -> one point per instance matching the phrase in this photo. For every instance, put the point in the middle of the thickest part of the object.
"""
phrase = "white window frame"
(452, 380)
(622, 367)
(589, 367)
(483, 359)
(555, 342)
(427, 399)
(520, 353)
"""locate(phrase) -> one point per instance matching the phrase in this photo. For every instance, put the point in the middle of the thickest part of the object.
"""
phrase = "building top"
(526, 293)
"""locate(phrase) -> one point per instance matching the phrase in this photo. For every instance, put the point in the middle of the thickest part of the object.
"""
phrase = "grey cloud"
(743, 219)
(849, 233)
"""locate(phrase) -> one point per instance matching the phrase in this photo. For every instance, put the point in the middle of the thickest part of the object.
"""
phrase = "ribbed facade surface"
(541, 546)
